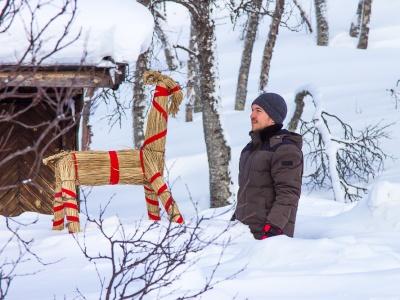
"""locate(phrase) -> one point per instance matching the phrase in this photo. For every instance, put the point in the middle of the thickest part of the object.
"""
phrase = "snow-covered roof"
(118, 29)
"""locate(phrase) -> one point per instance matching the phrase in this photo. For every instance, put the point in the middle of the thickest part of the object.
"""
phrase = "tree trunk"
(189, 112)
(303, 16)
(139, 100)
(270, 44)
(355, 26)
(322, 23)
(241, 89)
(218, 152)
(169, 54)
(193, 83)
(86, 128)
(299, 100)
(366, 16)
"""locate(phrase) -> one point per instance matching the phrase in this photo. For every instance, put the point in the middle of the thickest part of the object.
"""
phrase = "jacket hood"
(294, 137)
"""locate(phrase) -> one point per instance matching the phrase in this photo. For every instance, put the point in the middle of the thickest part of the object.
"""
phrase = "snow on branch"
(344, 160)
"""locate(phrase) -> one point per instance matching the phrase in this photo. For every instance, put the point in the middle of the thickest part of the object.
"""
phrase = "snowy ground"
(340, 251)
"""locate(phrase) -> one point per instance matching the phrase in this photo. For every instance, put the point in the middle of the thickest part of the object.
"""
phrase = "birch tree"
(193, 91)
(256, 10)
(159, 26)
(356, 24)
(365, 19)
(218, 151)
(139, 99)
(270, 44)
(322, 23)
(251, 32)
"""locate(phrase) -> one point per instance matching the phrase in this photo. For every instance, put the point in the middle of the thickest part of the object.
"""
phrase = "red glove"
(270, 230)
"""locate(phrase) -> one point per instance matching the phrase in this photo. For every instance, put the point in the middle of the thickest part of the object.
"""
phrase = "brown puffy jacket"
(270, 174)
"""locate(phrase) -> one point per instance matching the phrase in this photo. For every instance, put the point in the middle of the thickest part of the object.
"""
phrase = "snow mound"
(384, 202)
(99, 29)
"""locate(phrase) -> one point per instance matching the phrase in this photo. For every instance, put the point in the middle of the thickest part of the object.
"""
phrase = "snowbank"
(384, 202)
(103, 28)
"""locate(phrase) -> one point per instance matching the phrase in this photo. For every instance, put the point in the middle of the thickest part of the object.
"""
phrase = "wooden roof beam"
(61, 76)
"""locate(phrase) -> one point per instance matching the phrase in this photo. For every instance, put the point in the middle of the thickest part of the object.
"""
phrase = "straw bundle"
(144, 166)
(98, 167)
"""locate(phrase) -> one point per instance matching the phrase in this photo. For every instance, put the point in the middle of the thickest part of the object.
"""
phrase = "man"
(270, 171)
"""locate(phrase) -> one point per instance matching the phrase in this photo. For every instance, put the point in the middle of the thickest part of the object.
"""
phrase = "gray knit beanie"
(274, 105)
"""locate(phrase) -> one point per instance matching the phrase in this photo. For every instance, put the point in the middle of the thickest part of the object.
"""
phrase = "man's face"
(259, 118)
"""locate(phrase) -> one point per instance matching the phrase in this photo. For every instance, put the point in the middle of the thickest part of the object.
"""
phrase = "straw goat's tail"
(55, 157)
(156, 78)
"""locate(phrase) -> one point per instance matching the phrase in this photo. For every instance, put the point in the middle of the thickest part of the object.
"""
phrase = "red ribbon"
(69, 193)
(59, 222)
(58, 208)
(160, 109)
(153, 217)
(155, 138)
(114, 167)
(65, 205)
(73, 219)
(161, 92)
(155, 176)
(149, 141)
(168, 203)
(162, 190)
(70, 205)
(175, 89)
(151, 201)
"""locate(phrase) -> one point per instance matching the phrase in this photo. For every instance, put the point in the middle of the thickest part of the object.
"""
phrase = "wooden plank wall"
(35, 195)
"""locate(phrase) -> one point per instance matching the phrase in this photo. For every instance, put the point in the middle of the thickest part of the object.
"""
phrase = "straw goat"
(143, 166)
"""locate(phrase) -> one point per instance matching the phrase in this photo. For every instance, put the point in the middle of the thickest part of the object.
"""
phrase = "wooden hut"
(32, 95)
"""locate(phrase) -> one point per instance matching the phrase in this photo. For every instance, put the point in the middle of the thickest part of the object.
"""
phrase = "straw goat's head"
(156, 78)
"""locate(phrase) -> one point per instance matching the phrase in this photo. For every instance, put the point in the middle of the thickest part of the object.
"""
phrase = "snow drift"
(384, 203)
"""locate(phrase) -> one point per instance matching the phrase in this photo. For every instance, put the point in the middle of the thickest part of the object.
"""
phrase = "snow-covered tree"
(344, 160)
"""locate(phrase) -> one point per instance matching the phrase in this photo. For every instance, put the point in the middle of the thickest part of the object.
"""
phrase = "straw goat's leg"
(158, 184)
(58, 206)
(153, 207)
(68, 187)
